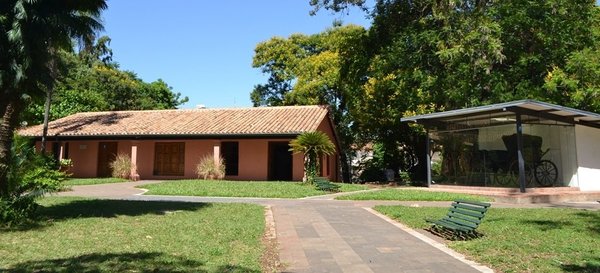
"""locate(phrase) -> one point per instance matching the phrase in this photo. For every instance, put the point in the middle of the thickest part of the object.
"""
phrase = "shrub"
(15, 210)
(207, 168)
(121, 166)
(312, 145)
(30, 176)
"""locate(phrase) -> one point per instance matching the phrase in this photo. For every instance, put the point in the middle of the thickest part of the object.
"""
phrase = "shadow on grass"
(591, 218)
(122, 262)
(546, 225)
(594, 218)
(588, 267)
(94, 208)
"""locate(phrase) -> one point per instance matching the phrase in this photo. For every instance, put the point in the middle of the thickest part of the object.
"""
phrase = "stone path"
(324, 235)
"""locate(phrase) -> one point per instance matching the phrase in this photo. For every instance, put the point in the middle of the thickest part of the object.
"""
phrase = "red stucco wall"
(253, 157)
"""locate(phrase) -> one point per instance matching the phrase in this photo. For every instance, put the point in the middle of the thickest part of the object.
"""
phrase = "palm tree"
(312, 145)
(31, 33)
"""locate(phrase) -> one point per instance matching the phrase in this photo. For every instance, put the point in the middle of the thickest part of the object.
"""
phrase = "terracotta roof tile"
(281, 120)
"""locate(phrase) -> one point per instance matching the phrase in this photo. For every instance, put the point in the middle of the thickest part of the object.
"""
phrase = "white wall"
(588, 157)
(558, 140)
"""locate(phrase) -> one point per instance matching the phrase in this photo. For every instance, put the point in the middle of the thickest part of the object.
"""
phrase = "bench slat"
(464, 218)
(467, 207)
(449, 225)
(477, 215)
(460, 222)
(482, 204)
(452, 225)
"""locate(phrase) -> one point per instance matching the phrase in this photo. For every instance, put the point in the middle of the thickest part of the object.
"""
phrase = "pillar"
(134, 172)
(520, 159)
(61, 152)
(217, 152)
(428, 157)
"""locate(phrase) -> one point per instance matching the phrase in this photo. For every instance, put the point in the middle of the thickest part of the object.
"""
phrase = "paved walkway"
(323, 235)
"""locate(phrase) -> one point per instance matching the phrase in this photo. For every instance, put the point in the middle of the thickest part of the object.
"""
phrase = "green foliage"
(324, 68)
(578, 83)
(121, 166)
(32, 35)
(91, 85)
(312, 145)
(372, 169)
(16, 210)
(207, 168)
(426, 56)
(30, 176)
(335, 5)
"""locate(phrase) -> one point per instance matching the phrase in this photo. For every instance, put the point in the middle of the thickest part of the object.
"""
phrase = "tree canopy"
(91, 81)
(426, 55)
(32, 33)
(314, 69)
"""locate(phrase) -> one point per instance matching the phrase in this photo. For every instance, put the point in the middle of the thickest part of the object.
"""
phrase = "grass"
(224, 188)
(86, 235)
(523, 240)
(411, 195)
(92, 181)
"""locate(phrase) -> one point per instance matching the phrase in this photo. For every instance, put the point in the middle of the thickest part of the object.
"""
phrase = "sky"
(204, 49)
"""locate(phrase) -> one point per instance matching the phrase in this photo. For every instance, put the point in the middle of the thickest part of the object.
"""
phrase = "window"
(169, 158)
(230, 152)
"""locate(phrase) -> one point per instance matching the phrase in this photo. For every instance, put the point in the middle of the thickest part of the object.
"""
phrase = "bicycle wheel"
(546, 173)
(513, 172)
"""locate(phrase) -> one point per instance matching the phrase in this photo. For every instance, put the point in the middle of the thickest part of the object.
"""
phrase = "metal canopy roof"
(531, 111)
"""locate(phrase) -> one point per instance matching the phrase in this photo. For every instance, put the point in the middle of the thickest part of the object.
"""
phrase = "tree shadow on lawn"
(122, 262)
(95, 208)
(546, 225)
(588, 267)
(592, 219)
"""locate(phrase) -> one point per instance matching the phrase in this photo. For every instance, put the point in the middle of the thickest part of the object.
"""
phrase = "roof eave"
(167, 136)
(577, 116)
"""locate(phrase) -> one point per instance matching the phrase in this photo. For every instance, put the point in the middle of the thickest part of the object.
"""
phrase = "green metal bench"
(323, 184)
(462, 219)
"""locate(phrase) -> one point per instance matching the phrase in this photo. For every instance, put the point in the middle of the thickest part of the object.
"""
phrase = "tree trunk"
(46, 118)
(345, 167)
(10, 119)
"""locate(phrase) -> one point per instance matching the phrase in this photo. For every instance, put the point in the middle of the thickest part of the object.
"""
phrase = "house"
(520, 144)
(168, 144)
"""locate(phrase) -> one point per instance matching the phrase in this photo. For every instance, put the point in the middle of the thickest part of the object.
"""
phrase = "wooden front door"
(169, 158)
(280, 161)
(107, 151)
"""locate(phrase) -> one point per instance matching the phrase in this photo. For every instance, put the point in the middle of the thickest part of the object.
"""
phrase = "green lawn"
(411, 195)
(86, 235)
(224, 188)
(92, 181)
(523, 240)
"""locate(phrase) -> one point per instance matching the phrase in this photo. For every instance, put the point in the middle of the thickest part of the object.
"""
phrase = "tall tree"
(314, 69)
(90, 81)
(31, 32)
(429, 55)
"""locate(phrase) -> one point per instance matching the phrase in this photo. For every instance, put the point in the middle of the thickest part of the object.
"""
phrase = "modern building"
(522, 144)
